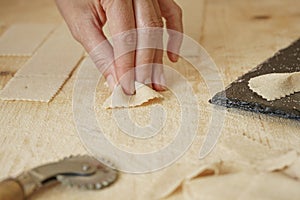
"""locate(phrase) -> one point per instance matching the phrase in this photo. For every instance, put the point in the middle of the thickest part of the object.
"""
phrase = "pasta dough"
(47, 70)
(176, 176)
(243, 185)
(275, 86)
(119, 99)
(24, 39)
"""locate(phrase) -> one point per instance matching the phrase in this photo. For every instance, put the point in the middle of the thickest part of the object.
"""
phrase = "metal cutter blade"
(103, 176)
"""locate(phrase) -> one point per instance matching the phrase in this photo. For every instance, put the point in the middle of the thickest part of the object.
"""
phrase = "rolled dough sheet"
(57, 57)
(119, 99)
(293, 170)
(276, 85)
(36, 88)
(45, 72)
(176, 175)
(278, 162)
(243, 185)
(24, 39)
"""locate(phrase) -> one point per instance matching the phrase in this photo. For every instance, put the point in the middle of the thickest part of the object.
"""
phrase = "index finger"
(121, 21)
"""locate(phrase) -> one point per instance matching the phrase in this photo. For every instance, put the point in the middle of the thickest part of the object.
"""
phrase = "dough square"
(56, 57)
(35, 88)
(24, 39)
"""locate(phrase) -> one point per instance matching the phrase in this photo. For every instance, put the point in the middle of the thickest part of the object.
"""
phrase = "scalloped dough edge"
(276, 85)
(119, 99)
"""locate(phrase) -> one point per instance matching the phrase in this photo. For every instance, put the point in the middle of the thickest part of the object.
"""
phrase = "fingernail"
(163, 81)
(175, 57)
(111, 82)
(129, 89)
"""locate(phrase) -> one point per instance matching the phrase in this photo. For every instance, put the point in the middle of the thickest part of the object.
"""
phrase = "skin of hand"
(86, 18)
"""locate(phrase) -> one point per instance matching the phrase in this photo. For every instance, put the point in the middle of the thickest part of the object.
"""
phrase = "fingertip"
(129, 89)
(159, 88)
(125, 73)
(159, 82)
(128, 85)
(173, 57)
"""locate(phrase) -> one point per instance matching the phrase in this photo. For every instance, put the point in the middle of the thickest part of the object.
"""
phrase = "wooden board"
(237, 34)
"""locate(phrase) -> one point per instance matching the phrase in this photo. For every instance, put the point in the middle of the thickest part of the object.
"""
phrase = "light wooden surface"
(237, 34)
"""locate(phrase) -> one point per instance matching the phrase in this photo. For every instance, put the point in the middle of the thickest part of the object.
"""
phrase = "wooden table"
(238, 34)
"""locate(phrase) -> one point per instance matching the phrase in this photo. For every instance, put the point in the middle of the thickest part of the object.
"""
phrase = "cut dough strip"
(275, 86)
(243, 185)
(43, 75)
(24, 39)
(36, 88)
(177, 175)
(119, 99)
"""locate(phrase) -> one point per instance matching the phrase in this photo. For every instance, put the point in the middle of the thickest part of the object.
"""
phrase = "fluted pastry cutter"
(81, 171)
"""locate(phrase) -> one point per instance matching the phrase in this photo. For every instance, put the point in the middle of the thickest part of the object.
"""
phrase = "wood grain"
(241, 35)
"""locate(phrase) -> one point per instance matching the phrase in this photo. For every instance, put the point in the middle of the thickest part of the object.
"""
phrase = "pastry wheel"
(81, 171)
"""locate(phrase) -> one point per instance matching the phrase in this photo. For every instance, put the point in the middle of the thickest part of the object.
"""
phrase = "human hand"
(86, 19)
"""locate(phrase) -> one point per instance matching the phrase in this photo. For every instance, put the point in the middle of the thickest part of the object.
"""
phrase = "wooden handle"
(11, 190)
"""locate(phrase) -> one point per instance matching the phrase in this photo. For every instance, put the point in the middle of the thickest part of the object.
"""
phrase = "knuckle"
(173, 11)
(155, 23)
(177, 11)
(121, 70)
(102, 64)
(76, 31)
(76, 34)
(125, 39)
(124, 64)
(144, 60)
